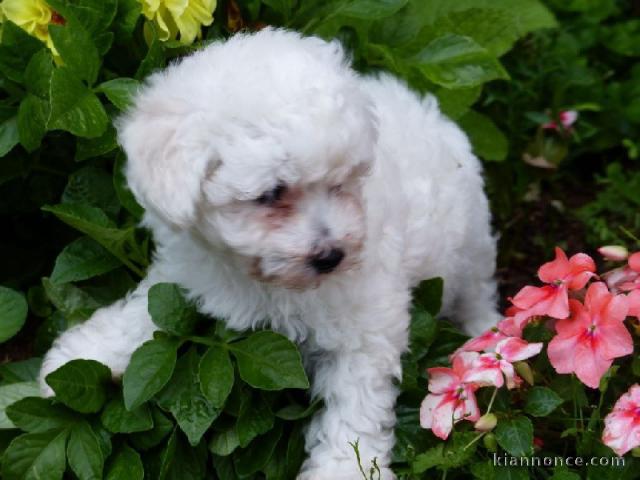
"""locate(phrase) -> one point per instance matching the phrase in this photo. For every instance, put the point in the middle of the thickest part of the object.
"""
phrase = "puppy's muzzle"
(326, 261)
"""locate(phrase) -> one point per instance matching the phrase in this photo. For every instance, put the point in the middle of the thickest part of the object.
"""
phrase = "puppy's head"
(258, 145)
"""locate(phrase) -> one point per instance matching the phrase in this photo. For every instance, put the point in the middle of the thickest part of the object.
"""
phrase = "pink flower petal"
(470, 405)
(442, 379)
(530, 296)
(442, 419)
(560, 353)
(597, 297)
(555, 270)
(590, 366)
(617, 309)
(426, 409)
(615, 340)
(486, 341)
(614, 253)
(568, 118)
(516, 349)
(634, 262)
(633, 300)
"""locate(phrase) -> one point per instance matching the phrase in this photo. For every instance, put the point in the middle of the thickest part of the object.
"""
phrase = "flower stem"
(493, 397)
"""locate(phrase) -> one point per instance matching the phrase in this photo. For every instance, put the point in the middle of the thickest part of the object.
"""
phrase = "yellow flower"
(183, 16)
(33, 16)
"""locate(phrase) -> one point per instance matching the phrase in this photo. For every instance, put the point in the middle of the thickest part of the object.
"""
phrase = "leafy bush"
(75, 247)
(587, 65)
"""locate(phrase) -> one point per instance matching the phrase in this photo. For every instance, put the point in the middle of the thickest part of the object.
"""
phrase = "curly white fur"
(368, 167)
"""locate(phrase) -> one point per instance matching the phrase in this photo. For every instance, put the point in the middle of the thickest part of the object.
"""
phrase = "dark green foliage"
(199, 401)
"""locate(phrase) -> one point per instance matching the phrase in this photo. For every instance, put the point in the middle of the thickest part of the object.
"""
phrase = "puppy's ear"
(168, 154)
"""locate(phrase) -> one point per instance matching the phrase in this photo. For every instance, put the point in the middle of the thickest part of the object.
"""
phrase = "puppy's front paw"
(343, 470)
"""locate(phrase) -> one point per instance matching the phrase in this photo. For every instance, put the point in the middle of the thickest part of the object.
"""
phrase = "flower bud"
(486, 423)
(524, 370)
(615, 253)
(490, 442)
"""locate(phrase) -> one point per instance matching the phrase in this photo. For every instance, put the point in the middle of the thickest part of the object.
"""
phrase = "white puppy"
(285, 190)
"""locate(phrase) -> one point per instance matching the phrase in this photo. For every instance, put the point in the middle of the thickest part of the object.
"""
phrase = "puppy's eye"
(273, 196)
(335, 188)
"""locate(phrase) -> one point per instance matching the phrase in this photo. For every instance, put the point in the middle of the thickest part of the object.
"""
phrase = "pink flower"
(562, 274)
(622, 425)
(492, 368)
(486, 341)
(512, 327)
(622, 279)
(615, 253)
(588, 342)
(633, 300)
(451, 398)
(567, 119)
(627, 278)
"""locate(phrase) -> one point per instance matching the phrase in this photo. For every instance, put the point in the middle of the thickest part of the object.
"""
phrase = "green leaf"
(155, 58)
(256, 456)
(12, 393)
(34, 414)
(84, 453)
(92, 186)
(170, 310)
(122, 243)
(224, 443)
(13, 313)
(33, 114)
(127, 200)
(455, 103)
(459, 451)
(487, 140)
(127, 16)
(117, 419)
(16, 50)
(75, 304)
(541, 401)
(428, 295)
(216, 376)
(21, 371)
(162, 426)
(35, 456)
(561, 473)
(178, 461)
(148, 371)
(454, 61)
(255, 419)
(269, 361)
(515, 435)
(120, 91)
(37, 75)
(510, 473)
(78, 51)
(94, 15)
(74, 107)
(125, 465)
(298, 412)
(183, 397)
(95, 147)
(81, 259)
(370, 9)
(81, 384)
(9, 135)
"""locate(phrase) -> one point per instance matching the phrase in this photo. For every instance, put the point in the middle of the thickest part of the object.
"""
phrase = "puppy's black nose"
(327, 261)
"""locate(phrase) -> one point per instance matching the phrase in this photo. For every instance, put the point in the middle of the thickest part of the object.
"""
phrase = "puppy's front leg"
(110, 336)
(356, 382)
